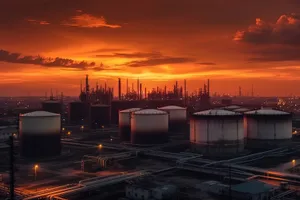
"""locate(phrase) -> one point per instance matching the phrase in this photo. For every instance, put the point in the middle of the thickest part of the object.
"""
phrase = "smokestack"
(105, 86)
(119, 89)
(97, 86)
(80, 86)
(138, 88)
(208, 87)
(141, 91)
(184, 85)
(145, 93)
(165, 90)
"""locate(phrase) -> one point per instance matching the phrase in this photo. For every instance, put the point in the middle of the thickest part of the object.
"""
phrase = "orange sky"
(234, 43)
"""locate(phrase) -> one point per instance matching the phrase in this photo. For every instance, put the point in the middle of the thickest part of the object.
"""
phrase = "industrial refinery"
(155, 144)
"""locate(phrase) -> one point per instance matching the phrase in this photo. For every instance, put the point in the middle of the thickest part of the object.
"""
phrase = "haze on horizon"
(53, 43)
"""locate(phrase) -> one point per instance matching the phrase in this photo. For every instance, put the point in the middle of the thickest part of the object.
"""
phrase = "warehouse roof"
(217, 112)
(252, 187)
(39, 114)
(172, 108)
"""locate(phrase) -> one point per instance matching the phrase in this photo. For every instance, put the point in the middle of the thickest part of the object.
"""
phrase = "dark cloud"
(158, 61)
(134, 55)
(275, 54)
(85, 20)
(206, 63)
(6, 56)
(286, 31)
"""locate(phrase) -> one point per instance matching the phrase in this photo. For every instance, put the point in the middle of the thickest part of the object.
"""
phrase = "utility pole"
(230, 196)
(11, 168)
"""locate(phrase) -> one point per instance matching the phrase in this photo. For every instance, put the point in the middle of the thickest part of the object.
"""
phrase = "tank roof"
(129, 110)
(232, 107)
(39, 114)
(265, 111)
(241, 110)
(52, 101)
(216, 112)
(150, 112)
(172, 107)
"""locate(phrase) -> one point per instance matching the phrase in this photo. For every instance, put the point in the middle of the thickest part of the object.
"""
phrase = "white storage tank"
(149, 126)
(266, 127)
(177, 118)
(217, 131)
(40, 134)
(124, 123)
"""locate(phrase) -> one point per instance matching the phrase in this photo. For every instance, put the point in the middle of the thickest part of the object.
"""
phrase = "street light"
(69, 133)
(81, 128)
(63, 129)
(35, 171)
(100, 146)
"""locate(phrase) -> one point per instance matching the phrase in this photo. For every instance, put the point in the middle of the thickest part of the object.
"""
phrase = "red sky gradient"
(52, 44)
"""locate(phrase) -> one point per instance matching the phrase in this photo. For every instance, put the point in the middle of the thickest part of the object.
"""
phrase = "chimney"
(119, 89)
(145, 93)
(184, 90)
(138, 88)
(208, 88)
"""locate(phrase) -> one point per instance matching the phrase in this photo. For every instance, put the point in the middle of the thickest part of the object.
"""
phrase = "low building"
(252, 190)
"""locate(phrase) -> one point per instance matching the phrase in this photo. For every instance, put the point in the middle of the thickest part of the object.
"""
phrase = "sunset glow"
(156, 42)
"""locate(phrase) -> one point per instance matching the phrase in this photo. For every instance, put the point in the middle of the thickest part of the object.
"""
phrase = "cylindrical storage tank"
(217, 131)
(52, 106)
(124, 123)
(100, 116)
(77, 112)
(40, 134)
(149, 126)
(177, 118)
(267, 128)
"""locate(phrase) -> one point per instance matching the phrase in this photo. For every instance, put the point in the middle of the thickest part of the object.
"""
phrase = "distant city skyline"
(233, 43)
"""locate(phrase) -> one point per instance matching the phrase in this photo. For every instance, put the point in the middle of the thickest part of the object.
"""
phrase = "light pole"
(35, 171)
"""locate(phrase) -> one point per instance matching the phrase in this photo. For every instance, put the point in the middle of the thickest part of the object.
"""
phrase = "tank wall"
(124, 118)
(149, 129)
(124, 132)
(40, 145)
(149, 123)
(40, 125)
(217, 130)
(176, 115)
(268, 129)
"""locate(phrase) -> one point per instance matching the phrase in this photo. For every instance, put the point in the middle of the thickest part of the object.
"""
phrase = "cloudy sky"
(48, 44)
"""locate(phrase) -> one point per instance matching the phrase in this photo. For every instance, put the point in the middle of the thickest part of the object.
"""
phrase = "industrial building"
(177, 118)
(217, 131)
(77, 112)
(124, 123)
(52, 106)
(267, 127)
(40, 134)
(100, 116)
(149, 126)
(7, 131)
